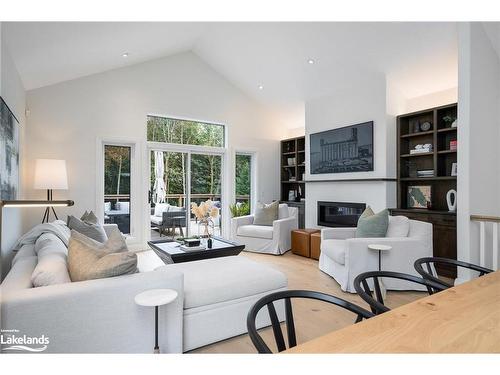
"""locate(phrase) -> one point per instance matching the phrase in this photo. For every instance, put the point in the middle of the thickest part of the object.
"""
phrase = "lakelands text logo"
(12, 341)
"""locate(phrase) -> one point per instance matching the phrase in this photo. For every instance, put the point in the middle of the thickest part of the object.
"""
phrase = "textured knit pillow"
(94, 231)
(89, 217)
(372, 225)
(266, 214)
(89, 259)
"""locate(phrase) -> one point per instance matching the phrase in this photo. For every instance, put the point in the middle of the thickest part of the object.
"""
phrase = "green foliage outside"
(116, 170)
(240, 209)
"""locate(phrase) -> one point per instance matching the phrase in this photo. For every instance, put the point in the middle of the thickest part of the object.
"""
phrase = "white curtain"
(159, 192)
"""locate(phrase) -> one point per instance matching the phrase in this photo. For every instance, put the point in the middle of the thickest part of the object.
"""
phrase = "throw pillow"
(51, 268)
(399, 226)
(266, 214)
(94, 231)
(371, 225)
(89, 259)
(160, 208)
(89, 217)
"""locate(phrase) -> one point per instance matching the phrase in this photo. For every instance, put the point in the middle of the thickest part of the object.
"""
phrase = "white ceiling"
(418, 58)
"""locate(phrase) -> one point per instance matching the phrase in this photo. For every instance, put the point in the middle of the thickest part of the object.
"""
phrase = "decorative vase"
(451, 200)
(205, 228)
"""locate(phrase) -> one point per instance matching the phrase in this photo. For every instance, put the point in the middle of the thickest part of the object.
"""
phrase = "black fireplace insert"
(339, 214)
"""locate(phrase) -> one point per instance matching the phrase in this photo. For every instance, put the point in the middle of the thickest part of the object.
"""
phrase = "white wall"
(478, 134)
(66, 119)
(431, 100)
(348, 107)
(12, 91)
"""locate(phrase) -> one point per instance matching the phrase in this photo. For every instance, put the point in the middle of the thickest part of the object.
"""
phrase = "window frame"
(253, 175)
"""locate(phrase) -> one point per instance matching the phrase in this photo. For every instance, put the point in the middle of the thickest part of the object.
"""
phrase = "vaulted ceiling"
(418, 58)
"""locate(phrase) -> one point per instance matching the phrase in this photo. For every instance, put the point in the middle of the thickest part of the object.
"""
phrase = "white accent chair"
(344, 257)
(275, 239)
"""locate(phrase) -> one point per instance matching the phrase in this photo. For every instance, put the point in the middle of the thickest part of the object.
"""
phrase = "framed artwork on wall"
(419, 196)
(342, 150)
(9, 153)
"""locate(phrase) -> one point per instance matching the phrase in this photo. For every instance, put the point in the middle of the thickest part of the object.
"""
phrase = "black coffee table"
(170, 252)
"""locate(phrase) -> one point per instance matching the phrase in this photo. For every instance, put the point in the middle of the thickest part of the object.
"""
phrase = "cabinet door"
(445, 245)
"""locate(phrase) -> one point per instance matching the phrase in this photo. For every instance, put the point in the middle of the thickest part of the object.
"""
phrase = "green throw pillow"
(371, 224)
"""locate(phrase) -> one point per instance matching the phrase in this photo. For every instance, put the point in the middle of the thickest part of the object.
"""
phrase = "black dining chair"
(362, 287)
(286, 296)
(430, 272)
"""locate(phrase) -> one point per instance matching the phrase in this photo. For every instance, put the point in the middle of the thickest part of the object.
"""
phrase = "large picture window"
(186, 132)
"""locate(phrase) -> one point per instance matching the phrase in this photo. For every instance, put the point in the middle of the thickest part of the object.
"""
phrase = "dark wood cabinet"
(302, 212)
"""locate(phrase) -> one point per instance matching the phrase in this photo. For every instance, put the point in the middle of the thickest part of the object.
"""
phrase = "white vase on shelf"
(451, 200)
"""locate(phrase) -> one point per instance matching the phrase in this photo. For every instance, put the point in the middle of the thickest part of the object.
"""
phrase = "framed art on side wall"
(9, 153)
(419, 196)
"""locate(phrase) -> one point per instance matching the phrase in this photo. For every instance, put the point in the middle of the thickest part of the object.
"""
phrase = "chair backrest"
(285, 211)
(362, 286)
(429, 273)
(287, 295)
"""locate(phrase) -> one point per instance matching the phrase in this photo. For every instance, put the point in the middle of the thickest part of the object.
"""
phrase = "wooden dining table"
(462, 319)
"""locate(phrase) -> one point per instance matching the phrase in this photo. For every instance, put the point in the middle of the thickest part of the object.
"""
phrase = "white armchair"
(344, 257)
(275, 239)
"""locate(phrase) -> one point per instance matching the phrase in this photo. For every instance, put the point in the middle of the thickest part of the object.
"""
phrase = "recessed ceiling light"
(261, 87)
(310, 61)
(125, 54)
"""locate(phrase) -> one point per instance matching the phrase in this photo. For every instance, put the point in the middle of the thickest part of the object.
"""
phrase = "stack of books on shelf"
(425, 173)
(420, 149)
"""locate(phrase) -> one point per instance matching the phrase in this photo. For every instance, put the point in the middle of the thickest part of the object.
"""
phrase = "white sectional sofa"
(100, 316)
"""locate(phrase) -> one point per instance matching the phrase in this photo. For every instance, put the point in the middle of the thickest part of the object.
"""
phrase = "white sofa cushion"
(217, 280)
(399, 226)
(283, 212)
(334, 249)
(160, 208)
(25, 251)
(123, 206)
(19, 276)
(51, 268)
(256, 231)
(175, 209)
(156, 219)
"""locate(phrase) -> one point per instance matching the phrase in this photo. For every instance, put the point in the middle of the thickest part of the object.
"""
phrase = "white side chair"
(275, 239)
(343, 256)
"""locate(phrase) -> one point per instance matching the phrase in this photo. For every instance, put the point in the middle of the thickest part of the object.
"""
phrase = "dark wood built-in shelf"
(293, 148)
(440, 161)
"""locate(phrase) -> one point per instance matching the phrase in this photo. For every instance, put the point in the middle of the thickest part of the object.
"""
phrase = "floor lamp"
(50, 174)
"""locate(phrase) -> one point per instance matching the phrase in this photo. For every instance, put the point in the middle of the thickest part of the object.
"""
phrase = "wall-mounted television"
(342, 150)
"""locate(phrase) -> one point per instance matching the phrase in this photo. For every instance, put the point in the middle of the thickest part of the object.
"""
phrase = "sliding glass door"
(178, 179)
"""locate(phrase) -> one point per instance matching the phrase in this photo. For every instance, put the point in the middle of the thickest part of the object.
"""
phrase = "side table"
(380, 248)
(155, 298)
(301, 241)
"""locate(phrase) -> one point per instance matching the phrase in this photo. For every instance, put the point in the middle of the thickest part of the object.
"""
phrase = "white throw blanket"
(57, 227)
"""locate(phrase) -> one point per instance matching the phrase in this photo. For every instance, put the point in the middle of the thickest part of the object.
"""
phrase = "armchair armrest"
(239, 221)
(338, 233)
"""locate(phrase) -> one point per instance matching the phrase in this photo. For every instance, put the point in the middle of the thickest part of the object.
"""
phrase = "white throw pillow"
(107, 206)
(399, 226)
(160, 208)
(51, 268)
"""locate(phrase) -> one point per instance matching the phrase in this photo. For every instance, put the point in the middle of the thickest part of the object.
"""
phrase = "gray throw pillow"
(371, 225)
(89, 259)
(266, 214)
(94, 231)
(89, 217)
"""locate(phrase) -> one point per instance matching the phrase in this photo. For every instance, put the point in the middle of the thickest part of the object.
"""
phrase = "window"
(243, 179)
(117, 165)
(186, 132)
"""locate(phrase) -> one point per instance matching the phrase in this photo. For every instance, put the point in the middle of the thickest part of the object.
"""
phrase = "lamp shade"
(51, 174)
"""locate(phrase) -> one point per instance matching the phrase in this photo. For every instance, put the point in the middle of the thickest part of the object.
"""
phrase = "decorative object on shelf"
(291, 162)
(419, 196)
(206, 212)
(454, 169)
(425, 126)
(291, 195)
(9, 153)
(449, 121)
(341, 150)
(421, 148)
(50, 174)
(415, 126)
(451, 200)
(454, 124)
(425, 173)
(453, 145)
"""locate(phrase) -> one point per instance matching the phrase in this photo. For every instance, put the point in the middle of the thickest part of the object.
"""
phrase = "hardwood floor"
(312, 319)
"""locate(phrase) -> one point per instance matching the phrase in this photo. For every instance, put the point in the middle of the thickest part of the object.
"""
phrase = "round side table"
(380, 248)
(155, 298)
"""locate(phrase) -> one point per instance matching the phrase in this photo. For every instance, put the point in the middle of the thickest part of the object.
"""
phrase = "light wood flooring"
(312, 318)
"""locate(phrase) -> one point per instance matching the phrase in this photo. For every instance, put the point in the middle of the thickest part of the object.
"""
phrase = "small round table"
(380, 248)
(156, 298)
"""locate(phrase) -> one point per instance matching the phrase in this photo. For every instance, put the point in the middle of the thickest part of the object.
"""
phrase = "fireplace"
(339, 214)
